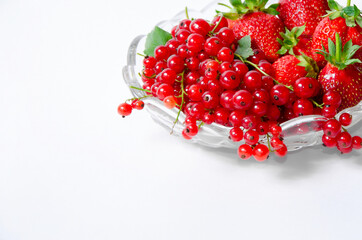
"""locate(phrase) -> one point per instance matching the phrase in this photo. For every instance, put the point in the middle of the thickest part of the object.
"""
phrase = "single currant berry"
(160, 66)
(304, 87)
(245, 151)
(208, 118)
(212, 46)
(185, 135)
(236, 117)
(257, 57)
(261, 152)
(262, 128)
(225, 55)
(202, 56)
(345, 119)
(242, 100)
(192, 78)
(240, 68)
(357, 142)
(190, 120)
(192, 130)
(124, 109)
(229, 80)
(161, 53)
(195, 42)
(195, 93)
(302, 107)
(332, 128)
(329, 111)
(276, 142)
(222, 116)
(273, 113)
(266, 67)
(182, 35)
(225, 66)
(148, 73)
(275, 130)
(268, 83)
(170, 102)
(172, 46)
(192, 63)
(253, 80)
(279, 94)
(250, 122)
(251, 137)
(149, 62)
(137, 104)
(332, 98)
(210, 99)
(176, 63)
(168, 76)
(200, 26)
(164, 90)
(197, 110)
(328, 141)
(236, 134)
(344, 150)
(184, 24)
(261, 95)
(226, 99)
(259, 108)
(226, 35)
(344, 140)
(214, 86)
(282, 152)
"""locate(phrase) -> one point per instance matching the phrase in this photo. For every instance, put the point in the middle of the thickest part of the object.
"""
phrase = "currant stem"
(201, 124)
(265, 74)
(218, 23)
(317, 104)
(140, 89)
(142, 55)
(182, 101)
(140, 98)
(187, 13)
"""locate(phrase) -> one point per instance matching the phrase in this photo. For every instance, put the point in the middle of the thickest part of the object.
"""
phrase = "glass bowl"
(298, 133)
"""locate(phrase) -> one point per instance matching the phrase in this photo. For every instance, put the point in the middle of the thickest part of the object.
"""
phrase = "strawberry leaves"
(338, 55)
(155, 38)
(351, 14)
(248, 6)
(290, 39)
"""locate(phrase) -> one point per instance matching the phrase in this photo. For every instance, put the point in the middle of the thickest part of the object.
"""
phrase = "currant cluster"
(200, 72)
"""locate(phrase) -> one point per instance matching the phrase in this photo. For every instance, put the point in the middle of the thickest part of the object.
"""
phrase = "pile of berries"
(213, 76)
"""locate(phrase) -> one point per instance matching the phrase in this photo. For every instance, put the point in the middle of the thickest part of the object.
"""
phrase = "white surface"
(71, 168)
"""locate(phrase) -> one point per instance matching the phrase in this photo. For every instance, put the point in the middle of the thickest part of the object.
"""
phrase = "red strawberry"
(341, 73)
(355, 34)
(290, 68)
(252, 18)
(296, 13)
(342, 21)
(295, 42)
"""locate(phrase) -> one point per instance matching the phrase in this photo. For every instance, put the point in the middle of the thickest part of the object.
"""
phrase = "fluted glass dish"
(298, 133)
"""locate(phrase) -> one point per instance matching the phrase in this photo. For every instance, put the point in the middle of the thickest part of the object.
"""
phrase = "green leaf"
(236, 3)
(349, 11)
(309, 65)
(244, 49)
(155, 38)
(230, 15)
(331, 47)
(359, 21)
(272, 9)
(282, 51)
(299, 30)
(334, 15)
(334, 5)
(350, 22)
(352, 61)
(351, 51)
(357, 12)
(250, 4)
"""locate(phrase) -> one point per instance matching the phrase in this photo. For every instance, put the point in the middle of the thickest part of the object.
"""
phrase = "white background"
(72, 168)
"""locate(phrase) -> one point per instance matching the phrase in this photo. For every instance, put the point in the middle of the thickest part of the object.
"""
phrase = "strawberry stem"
(338, 48)
(348, 3)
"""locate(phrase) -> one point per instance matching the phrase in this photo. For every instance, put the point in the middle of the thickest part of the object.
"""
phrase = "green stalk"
(183, 93)
(348, 3)
(187, 13)
(338, 48)
(140, 89)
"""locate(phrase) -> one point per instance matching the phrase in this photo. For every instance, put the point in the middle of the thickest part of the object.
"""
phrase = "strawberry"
(341, 73)
(290, 68)
(296, 13)
(252, 18)
(343, 21)
(295, 42)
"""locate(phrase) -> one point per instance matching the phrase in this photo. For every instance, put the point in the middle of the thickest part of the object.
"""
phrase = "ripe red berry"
(208, 118)
(329, 111)
(124, 109)
(192, 130)
(332, 98)
(161, 53)
(137, 104)
(219, 22)
(332, 128)
(226, 35)
(281, 152)
(170, 102)
(276, 142)
(302, 107)
(222, 116)
(200, 26)
(266, 67)
(357, 142)
(345, 119)
(344, 140)
(229, 80)
(212, 46)
(253, 80)
(279, 94)
(257, 57)
(225, 55)
(176, 63)
(245, 151)
(185, 135)
(251, 137)
(328, 141)
(226, 99)
(195, 93)
(261, 152)
(195, 42)
(210, 99)
(164, 90)
(275, 130)
(304, 87)
(236, 134)
(240, 68)
(242, 100)
(236, 117)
